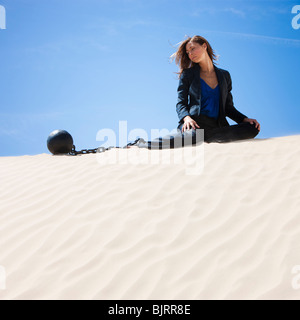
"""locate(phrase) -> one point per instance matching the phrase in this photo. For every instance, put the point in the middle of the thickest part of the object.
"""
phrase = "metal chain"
(86, 151)
(101, 149)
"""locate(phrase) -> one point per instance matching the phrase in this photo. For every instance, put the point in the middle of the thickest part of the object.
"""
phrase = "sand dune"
(87, 228)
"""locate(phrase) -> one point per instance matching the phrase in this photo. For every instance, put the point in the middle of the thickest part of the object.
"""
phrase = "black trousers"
(212, 133)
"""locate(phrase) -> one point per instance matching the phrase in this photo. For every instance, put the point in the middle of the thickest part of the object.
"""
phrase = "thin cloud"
(68, 44)
(247, 11)
(249, 36)
(114, 27)
(9, 132)
(14, 124)
(31, 116)
(237, 12)
(263, 38)
(215, 10)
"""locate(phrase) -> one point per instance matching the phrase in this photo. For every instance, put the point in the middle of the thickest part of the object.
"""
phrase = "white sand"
(76, 228)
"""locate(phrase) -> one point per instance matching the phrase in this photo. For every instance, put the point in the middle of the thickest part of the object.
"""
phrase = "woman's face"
(195, 51)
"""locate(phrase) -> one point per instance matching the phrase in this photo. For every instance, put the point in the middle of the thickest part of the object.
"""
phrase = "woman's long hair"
(181, 57)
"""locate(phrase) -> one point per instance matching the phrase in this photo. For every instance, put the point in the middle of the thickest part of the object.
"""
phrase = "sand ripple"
(72, 228)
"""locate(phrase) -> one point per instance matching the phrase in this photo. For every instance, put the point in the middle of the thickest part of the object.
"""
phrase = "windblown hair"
(181, 57)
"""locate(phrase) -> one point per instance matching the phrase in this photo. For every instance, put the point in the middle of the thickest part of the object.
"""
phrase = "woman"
(204, 100)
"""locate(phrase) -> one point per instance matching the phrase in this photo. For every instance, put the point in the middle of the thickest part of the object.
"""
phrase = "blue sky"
(85, 65)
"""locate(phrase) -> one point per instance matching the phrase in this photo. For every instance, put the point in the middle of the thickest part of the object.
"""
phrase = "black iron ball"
(60, 142)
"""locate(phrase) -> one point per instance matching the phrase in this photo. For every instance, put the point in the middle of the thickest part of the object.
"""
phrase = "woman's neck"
(206, 66)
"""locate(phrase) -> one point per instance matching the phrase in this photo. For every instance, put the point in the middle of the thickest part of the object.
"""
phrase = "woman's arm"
(183, 93)
(230, 110)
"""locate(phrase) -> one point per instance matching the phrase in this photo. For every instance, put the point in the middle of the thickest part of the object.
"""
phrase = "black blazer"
(189, 96)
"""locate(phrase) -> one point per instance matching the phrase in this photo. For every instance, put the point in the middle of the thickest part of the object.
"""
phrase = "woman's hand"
(189, 123)
(257, 125)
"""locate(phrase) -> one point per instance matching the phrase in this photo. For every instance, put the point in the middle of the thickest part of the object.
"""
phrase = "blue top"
(210, 100)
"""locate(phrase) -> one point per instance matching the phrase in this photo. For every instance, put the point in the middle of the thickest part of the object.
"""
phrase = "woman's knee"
(252, 129)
